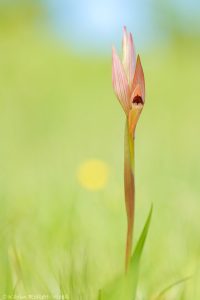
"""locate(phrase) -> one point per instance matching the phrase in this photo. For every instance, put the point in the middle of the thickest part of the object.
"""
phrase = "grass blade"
(125, 287)
(171, 286)
(135, 259)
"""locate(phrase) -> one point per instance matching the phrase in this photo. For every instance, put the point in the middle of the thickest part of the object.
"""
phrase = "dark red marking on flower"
(137, 100)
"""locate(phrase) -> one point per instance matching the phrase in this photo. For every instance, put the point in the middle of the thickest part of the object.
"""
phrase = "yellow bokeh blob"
(93, 174)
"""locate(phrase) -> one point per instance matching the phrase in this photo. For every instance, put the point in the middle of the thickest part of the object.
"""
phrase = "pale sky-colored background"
(89, 24)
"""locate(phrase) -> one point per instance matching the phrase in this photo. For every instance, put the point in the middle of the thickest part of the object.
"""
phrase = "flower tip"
(124, 28)
(113, 48)
(139, 64)
(114, 53)
(138, 59)
(131, 38)
(125, 35)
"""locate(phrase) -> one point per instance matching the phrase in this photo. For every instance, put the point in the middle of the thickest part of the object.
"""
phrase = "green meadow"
(58, 111)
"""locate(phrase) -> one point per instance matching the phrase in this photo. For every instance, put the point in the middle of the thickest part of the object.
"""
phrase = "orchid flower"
(129, 87)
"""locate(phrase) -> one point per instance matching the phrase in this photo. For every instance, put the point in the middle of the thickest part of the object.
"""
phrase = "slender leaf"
(135, 259)
(171, 286)
(124, 287)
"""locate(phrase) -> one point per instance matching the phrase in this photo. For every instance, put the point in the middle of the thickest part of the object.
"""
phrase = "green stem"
(129, 188)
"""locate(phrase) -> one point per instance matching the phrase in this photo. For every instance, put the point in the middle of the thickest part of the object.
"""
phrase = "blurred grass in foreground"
(58, 110)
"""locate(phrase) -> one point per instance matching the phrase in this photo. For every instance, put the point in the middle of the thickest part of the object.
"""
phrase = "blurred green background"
(58, 111)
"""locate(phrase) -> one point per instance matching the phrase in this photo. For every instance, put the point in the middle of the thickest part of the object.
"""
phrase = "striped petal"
(120, 83)
(129, 56)
(138, 79)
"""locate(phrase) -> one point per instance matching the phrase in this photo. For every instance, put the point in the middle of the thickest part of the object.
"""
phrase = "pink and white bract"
(128, 80)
